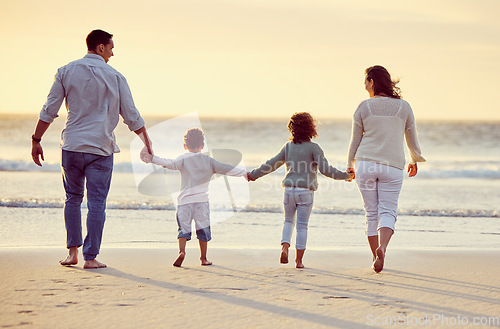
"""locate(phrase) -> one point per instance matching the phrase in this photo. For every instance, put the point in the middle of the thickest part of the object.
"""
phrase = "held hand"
(37, 153)
(146, 156)
(249, 178)
(143, 135)
(351, 171)
(412, 169)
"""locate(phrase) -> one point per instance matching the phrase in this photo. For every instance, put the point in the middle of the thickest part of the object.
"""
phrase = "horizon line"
(270, 118)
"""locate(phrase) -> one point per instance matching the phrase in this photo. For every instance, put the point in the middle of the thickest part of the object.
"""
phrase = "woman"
(380, 125)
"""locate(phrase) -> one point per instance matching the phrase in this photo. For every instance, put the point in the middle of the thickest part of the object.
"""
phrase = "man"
(96, 95)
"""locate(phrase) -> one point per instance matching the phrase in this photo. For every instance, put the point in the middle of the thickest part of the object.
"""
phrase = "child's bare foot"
(205, 262)
(298, 259)
(180, 259)
(93, 264)
(284, 256)
(70, 260)
(378, 264)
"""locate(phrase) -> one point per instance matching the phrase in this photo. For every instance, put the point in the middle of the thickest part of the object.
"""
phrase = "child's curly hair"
(194, 138)
(302, 127)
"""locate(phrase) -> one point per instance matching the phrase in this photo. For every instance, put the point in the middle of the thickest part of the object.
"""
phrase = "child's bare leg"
(182, 252)
(203, 251)
(298, 259)
(284, 253)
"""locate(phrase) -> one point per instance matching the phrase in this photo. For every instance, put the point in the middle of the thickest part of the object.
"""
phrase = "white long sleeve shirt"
(196, 171)
(96, 95)
(380, 126)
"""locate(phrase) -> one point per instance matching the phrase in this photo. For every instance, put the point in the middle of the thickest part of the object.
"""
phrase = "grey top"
(380, 126)
(96, 95)
(302, 164)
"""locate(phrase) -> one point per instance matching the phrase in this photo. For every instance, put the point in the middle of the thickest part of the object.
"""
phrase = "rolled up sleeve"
(128, 111)
(54, 100)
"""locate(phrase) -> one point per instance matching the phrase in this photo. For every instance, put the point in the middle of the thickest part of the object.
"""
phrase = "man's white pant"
(379, 186)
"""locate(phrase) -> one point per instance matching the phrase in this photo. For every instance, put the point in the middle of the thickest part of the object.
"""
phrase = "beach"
(248, 288)
(442, 263)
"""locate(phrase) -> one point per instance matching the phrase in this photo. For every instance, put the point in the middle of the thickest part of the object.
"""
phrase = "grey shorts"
(200, 212)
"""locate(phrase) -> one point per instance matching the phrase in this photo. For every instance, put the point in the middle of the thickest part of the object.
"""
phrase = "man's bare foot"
(180, 259)
(378, 264)
(70, 260)
(284, 256)
(205, 262)
(299, 265)
(93, 264)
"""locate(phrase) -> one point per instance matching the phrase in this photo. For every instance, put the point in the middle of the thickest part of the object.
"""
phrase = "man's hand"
(37, 152)
(143, 135)
(36, 147)
(146, 156)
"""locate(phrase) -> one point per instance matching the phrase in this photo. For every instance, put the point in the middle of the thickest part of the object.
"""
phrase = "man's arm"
(47, 115)
(143, 135)
(36, 147)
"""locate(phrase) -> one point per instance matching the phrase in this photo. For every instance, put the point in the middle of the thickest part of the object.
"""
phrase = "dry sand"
(141, 289)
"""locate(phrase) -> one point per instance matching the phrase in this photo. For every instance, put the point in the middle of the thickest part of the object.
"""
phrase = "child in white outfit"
(196, 171)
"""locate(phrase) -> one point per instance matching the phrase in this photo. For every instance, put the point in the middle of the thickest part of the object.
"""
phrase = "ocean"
(453, 202)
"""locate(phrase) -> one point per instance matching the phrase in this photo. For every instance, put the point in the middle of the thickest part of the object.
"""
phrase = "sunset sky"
(262, 58)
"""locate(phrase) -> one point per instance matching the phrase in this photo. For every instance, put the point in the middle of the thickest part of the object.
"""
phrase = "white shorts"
(200, 212)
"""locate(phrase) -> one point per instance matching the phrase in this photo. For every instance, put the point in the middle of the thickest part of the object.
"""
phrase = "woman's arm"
(413, 146)
(412, 143)
(356, 136)
(412, 140)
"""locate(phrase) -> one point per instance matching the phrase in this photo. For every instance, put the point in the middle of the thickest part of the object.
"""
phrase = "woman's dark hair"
(383, 85)
(302, 127)
(194, 138)
(97, 37)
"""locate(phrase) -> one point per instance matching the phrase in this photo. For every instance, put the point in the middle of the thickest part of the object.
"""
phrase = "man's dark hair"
(97, 37)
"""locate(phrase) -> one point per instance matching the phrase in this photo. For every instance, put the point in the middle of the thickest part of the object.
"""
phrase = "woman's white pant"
(380, 186)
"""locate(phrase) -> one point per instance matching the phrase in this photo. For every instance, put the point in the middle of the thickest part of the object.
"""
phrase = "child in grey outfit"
(303, 159)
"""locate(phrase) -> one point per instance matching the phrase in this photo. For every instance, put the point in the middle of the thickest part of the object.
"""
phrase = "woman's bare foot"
(180, 259)
(298, 259)
(284, 253)
(378, 264)
(284, 256)
(205, 262)
(93, 264)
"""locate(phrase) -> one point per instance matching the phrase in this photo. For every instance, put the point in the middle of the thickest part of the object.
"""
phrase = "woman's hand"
(412, 169)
